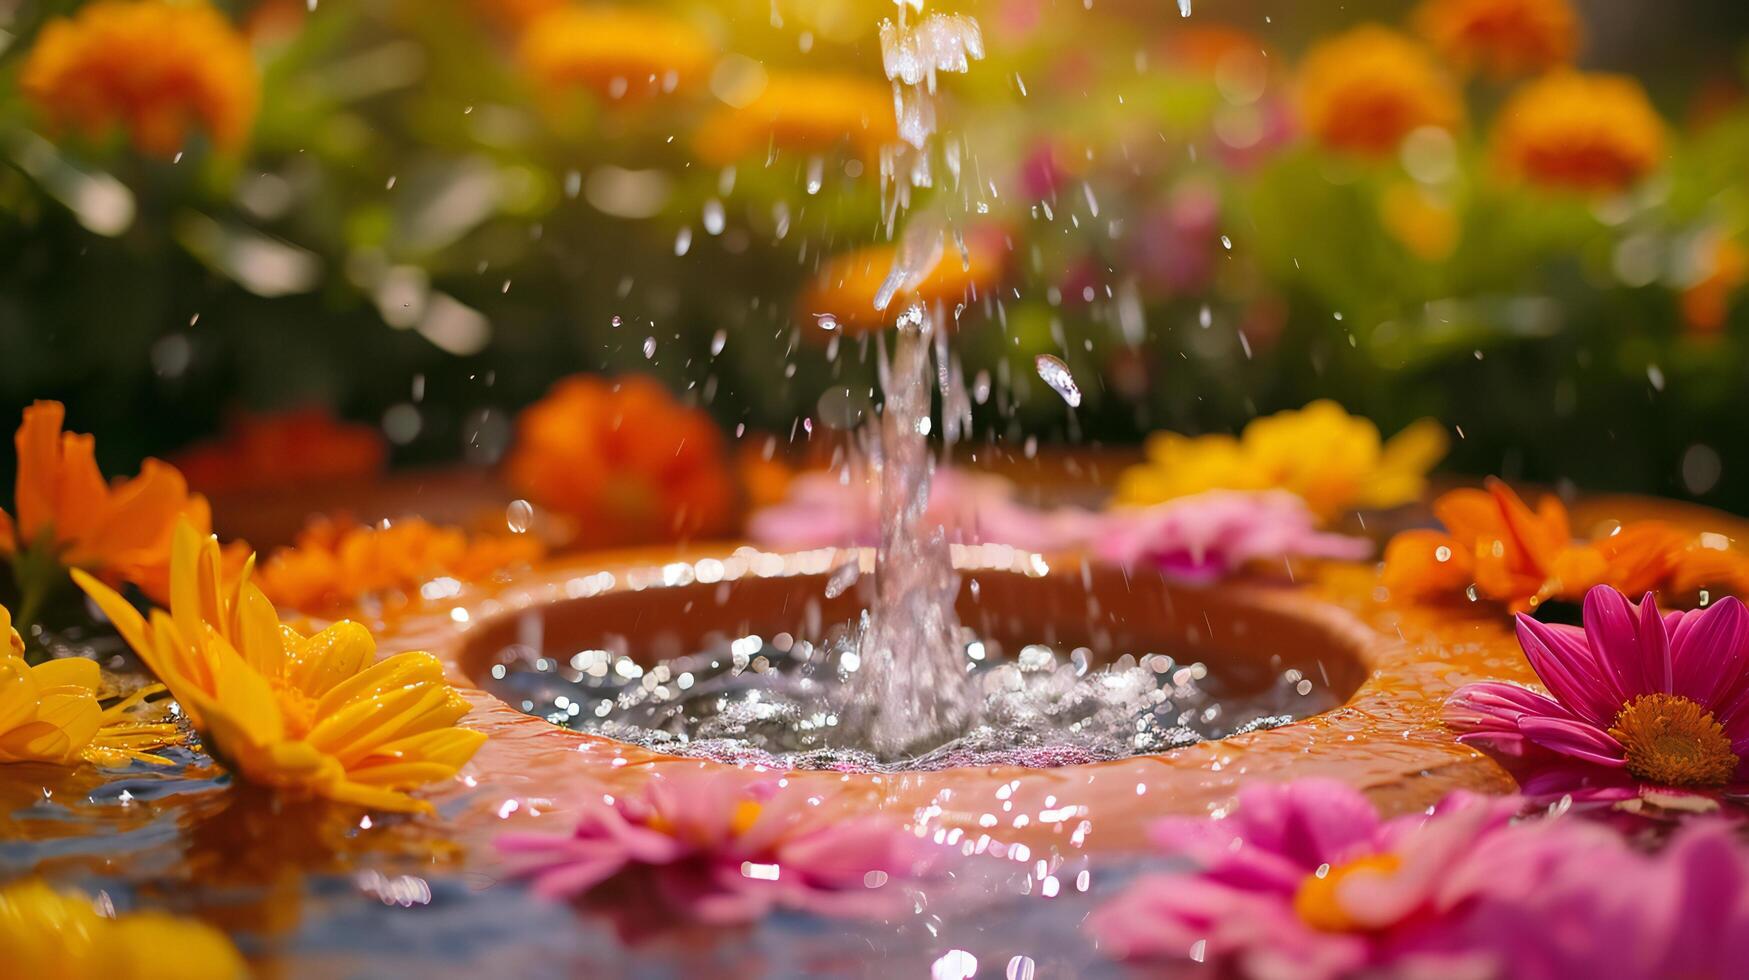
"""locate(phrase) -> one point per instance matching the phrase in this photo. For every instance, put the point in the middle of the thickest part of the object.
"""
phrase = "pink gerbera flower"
(1638, 703)
(1305, 880)
(724, 847)
(1205, 537)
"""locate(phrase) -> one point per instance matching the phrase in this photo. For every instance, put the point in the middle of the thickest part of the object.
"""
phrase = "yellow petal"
(399, 670)
(74, 672)
(337, 653)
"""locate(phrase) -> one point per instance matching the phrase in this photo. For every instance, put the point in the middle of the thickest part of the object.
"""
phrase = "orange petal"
(1424, 564)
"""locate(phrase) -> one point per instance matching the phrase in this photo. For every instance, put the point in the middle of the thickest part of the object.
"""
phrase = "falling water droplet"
(519, 516)
(1056, 374)
(816, 174)
(616, 321)
(649, 348)
(843, 577)
(1205, 317)
(683, 241)
(1184, 8)
(826, 321)
(718, 339)
(713, 216)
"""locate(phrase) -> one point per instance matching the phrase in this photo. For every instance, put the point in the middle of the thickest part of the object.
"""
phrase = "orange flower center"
(1316, 902)
(745, 814)
(298, 708)
(1674, 741)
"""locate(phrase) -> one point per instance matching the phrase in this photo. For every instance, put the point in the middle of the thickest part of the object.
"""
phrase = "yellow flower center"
(1316, 903)
(745, 816)
(298, 708)
(1674, 741)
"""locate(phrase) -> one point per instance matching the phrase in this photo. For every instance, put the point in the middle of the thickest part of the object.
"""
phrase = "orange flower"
(802, 111)
(155, 68)
(515, 15)
(1202, 48)
(1362, 91)
(846, 286)
(266, 452)
(613, 51)
(1724, 268)
(1584, 132)
(1421, 219)
(334, 563)
(627, 462)
(1512, 554)
(1501, 38)
(68, 516)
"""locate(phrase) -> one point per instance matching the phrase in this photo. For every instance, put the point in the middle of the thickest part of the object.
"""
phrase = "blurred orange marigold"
(625, 461)
(265, 452)
(1501, 38)
(846, 286)
(1585, 132)
(1362, 91)
(613, 51)
(155, 68)
(334, 564)
(67, 515)
(801, 111)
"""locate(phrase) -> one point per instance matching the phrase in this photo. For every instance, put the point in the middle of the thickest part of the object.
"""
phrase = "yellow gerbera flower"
(46, 933)
(616, 52)
(49, 712)
(316, 715)
(808, 111)
(154, 68)
(1332, 460)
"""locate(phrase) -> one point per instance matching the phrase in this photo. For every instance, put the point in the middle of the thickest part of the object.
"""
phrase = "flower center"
(745, 816)
(1673, 741)
(298, 708)
(1316, 903)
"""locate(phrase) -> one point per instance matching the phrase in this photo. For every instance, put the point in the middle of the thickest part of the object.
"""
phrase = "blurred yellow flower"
(1332, 460)
(335, 563)
(1422, 220)
(60, 936)
(802, 111)
(1501, 38)
(1362, 91)
(316, 715)
(67, 514)
(157, 69)
(1580, 131)
(847, 284)
(515, 15)
(49, 712)
(615, 52)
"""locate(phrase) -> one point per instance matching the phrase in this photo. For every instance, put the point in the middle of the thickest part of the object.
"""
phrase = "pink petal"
(1707, 653)
(1573, 738)
(1613, 632)
(1571, 676)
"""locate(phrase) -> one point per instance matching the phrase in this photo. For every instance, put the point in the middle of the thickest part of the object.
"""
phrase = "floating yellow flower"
(615, 52)
(1332, 460)
(60, 935)
(334, 563)
(49, 712)
(1584, 132)
(155, 68)
(1501, 38)
(67, 515)
(315, 715)
(1362, 91)
(802, 111)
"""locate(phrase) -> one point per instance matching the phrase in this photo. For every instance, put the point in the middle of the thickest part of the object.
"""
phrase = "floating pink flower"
(825, 510)
(725, 847)
(1210, 535)
(1306, 881)
(1639, 703)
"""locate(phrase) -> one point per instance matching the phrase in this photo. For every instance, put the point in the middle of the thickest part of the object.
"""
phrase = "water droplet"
(519, 516)
(718, 339)
(683, 241)
(649, 348)
(713, 216)
(843, 577)
(1056, 374)
(826, 321)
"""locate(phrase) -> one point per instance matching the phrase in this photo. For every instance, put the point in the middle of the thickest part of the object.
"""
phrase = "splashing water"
(1056, 374)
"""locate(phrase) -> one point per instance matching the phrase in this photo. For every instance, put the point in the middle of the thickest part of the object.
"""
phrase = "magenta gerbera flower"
(724, 847)
(1637, 701)
(1305, 880)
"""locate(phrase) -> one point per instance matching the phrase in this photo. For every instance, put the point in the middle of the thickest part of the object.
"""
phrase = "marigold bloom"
(847, 285)
(1724, 268)
(49, 712)
(613, 51)
(334, 563)
(47, 933)
(1661, 700)
(316, 715)
(1594, 133)
(1362, 91)
(802, 111)
(157, 69)
(67, 513)
(1332, 460)
(1521, 557)
(725, 847)
(1501, 38)
(625, 461)
(281, 449)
